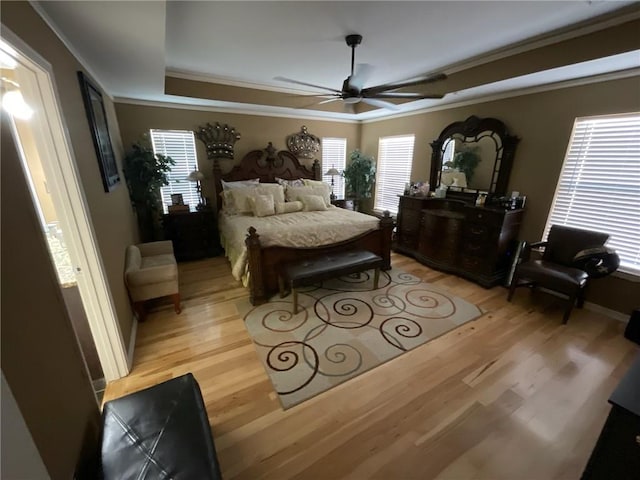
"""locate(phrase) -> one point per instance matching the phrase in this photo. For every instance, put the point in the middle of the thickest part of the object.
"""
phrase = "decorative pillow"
(313, 183)
(293, 193)
(240, 197)
(298, 182)
(598, 262)
(271, 189)
(288, 207)
(313, 203)
(262, 205)
(228, 205)
(240, 184)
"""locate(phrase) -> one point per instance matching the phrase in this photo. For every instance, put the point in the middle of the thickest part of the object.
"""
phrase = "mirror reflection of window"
(449, 150)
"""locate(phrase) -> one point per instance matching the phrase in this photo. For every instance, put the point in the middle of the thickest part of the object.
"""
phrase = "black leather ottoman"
(159, 433)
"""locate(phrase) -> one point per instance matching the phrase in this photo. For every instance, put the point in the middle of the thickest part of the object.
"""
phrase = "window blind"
(334, 155)
(180, 145)
(395, 157)
(599, 186)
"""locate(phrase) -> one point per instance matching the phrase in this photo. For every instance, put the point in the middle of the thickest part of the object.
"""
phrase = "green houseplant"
(466, 161)
(359, 176)
(145, 172)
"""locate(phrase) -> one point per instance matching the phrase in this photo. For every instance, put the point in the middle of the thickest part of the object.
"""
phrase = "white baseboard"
(594, 307)
(132, 342)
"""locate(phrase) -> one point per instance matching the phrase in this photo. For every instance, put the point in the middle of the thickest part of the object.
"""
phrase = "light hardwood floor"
(513, 395)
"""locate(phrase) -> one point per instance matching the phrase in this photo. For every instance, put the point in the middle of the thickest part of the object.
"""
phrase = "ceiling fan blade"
(394, 86)
(359, 78)
(408, 96)
(380, 103)
(289, 80)
(320, 103)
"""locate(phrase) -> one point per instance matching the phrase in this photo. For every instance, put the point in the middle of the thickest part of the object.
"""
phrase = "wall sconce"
(332, 172)
(197, 176)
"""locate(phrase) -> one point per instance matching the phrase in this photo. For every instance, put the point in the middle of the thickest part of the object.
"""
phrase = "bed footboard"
(264, 262)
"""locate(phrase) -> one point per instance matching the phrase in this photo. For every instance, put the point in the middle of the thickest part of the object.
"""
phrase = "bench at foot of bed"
(324, 267)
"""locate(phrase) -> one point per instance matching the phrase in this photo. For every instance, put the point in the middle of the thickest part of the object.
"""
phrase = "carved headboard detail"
(265, 164)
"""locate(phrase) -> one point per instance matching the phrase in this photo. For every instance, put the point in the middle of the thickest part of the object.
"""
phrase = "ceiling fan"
(352, 88)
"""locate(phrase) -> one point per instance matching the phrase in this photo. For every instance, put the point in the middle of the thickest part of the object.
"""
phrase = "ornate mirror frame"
(472, 129)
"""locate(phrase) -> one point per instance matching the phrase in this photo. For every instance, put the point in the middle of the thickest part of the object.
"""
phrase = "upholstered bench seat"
(160, 432)
(324, 267)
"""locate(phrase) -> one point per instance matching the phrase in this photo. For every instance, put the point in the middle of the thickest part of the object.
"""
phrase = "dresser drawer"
(475, 264)
(484, 216)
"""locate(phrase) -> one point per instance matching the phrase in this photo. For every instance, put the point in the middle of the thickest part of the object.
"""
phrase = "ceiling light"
(352, 100)
(14, 103)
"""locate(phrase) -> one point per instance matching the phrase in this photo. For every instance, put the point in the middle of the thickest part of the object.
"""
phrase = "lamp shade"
(195, 176)
(332, 171)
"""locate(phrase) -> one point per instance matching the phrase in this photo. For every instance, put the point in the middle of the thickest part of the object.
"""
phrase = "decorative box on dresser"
(453, 236)
(194, 234)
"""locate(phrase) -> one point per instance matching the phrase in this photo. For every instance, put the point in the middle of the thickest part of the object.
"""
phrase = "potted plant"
(145, 172)
(359, 176)
(466, 161)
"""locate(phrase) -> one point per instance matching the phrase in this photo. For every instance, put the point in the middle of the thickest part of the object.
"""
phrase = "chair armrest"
(150, 249)
(526, 250)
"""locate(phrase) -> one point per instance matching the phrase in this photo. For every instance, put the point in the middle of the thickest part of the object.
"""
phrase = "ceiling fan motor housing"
(353, 40)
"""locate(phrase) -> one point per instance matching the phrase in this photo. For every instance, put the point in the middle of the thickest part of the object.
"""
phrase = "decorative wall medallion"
(303, 144)
(219, 139)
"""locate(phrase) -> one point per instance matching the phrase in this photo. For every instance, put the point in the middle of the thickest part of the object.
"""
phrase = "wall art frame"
(97, 117)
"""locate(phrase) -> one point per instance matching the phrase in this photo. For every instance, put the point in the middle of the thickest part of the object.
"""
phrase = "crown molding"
(241, 110)
(54, 28)
(605, 77)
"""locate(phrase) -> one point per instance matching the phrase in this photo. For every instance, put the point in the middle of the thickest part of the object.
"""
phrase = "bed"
(256, 247)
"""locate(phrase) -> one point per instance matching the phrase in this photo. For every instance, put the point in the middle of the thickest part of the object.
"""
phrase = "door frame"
(63, 179)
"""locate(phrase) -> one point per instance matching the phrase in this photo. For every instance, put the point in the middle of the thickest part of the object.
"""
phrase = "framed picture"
(97, 117)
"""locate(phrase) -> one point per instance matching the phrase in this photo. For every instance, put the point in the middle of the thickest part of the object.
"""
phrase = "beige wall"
(543, 121)
(256, 131)
(41, 359)
(113, 219)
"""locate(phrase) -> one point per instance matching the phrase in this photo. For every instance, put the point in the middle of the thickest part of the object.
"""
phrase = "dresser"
(194, 235)
(450, 235)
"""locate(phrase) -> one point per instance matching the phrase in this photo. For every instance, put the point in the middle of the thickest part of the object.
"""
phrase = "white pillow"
(313, 203)
(262, 205)
(271, 189)
(313, 183)
(288, 207)
(240, 184)
(293, 193)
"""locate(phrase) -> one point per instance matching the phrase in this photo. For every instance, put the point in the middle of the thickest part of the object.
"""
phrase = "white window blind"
(180, 145)
(599, 186)
(395, 157)
(334, 155)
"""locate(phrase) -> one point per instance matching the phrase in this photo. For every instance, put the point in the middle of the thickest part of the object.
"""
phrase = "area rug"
(344, 327)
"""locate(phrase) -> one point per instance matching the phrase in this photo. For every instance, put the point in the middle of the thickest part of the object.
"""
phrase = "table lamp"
(332, 172)
(197, 176)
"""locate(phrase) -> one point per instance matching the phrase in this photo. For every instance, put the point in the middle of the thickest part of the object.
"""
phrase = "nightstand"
(194, 234)
(343, 203)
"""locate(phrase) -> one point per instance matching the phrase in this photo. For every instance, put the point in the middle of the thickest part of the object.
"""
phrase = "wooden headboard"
(266, 164)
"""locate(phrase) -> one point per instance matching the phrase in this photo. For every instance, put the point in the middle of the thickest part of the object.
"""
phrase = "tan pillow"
(240, 198)
(313, 203)
(288, 207)
(262, 205)
(293, 193)
(299, 182)
(271, 189)
(240, 184)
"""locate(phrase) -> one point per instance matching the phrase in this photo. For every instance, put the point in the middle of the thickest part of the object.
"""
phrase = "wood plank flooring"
(513, 395)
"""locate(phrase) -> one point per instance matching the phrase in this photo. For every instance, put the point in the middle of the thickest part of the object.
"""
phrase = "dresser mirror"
(475, 155)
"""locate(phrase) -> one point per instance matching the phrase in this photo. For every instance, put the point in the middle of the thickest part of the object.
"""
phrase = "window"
(395, 156)
(334, 155)
(599, 186)
(180, 145)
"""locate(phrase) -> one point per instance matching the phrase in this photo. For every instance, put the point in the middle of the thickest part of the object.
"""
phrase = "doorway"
(41, 136)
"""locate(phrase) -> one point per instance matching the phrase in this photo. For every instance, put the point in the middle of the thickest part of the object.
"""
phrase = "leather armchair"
(569, 258)
(151, 271)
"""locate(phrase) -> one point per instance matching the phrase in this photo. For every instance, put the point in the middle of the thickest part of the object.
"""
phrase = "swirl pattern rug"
(344, 327)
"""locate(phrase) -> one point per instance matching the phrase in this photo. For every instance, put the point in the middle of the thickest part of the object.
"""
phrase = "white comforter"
(300, 229)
